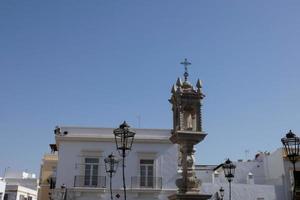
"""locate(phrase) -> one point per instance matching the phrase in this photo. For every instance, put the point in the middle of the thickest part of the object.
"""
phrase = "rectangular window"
(147, 173)
(5, 196)
(22, 197)
(91, 172)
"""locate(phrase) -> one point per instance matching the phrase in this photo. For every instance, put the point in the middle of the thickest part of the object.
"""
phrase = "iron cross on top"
(185, 63)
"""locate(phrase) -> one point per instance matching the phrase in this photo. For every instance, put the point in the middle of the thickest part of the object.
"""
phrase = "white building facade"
(151, 165)
(2, 189)
(267, 177)
(18, 192)
(20, 185)
(152, 169)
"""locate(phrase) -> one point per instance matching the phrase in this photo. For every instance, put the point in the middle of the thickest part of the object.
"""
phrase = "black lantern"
(221, 192)
(111, 165)
(229, 170)
(291, 145)
(124, 139)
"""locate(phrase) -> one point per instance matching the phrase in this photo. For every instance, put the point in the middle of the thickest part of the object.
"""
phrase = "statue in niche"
(189, 119)
(189, 122)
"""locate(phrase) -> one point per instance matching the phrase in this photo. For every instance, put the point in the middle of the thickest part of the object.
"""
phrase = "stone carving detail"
(189, 181)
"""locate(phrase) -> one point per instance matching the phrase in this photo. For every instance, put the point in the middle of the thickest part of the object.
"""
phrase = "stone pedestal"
(186, 140)
(189, 196)
(188, 185)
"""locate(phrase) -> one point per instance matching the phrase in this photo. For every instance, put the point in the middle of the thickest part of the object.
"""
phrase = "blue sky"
(96, 63)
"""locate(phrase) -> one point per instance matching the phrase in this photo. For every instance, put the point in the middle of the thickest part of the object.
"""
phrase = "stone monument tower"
(187, 131)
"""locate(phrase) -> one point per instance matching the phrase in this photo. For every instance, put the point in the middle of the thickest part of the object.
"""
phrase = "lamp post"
(291, 145)
(229, 169)
(111, 165)
(124, 139)
(221, 192)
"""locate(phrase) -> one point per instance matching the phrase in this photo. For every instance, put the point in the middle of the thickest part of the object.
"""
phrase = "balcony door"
(147, 173)
(91, 172)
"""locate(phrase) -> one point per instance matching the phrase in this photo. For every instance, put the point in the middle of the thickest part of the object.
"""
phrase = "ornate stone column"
(185, 100)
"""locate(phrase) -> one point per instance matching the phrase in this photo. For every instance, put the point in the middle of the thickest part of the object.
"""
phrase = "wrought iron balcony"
(90, 181)
(146, 182)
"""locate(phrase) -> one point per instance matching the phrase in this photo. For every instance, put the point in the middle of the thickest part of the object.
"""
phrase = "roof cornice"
(85, 138)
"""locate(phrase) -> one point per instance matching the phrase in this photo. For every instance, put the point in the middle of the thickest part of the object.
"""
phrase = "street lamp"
(221, 191)
(229, 169)
(111, 165)
(291, 145)
(124, 139)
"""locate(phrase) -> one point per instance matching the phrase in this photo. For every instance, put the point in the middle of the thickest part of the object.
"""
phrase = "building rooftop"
(106, 134)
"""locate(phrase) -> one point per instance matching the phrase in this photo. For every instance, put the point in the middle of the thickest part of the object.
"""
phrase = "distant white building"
(267, 177)
(20, 185)
(151, 166)
(18, 192)
(12, 174)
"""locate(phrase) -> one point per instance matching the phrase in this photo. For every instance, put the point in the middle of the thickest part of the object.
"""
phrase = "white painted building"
(81, 153)
(267, 177)
(20, 185)
(2, 188)
(151, 165)
(18, 192)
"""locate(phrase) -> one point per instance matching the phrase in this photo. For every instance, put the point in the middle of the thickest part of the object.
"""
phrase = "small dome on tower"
(187, 85)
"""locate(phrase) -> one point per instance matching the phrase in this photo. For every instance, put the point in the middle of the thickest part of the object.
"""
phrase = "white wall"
(269, 174)
(70, 159)
(21, 178)
(242, 191)
(70, 155)
(2, 189)
(146, 145)
(274, 167)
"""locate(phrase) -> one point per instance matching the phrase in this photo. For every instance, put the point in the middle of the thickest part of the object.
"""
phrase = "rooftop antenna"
(247, 154)
(185, 63)
(5, 171)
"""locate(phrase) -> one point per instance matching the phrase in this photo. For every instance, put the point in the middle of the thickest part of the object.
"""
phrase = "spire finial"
(185, 63)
